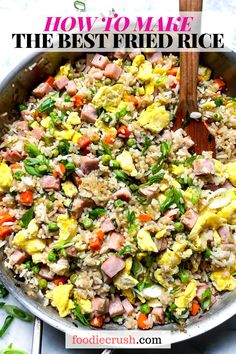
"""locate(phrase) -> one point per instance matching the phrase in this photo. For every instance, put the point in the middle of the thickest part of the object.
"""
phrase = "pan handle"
(37, 336)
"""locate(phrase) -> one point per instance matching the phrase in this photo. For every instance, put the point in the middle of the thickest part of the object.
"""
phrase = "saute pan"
(13, 90)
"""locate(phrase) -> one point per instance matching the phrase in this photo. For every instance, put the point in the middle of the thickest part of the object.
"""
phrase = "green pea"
(73, 266)
(100, 152)
(130, 142)
(107, 81)
(70, 166)
(145, 308)
(87, 223)
(55, 152)
(28, 264)
(67, 98)
(36, 268)
(22, 107)
(118, 203)
(42, 283)
(52, 257)
(106, 159)
(52, 226)
(217, 117)
(133, 187)
(73, 278)
(42, 168)
(149, 260)
(179, 227)
(189, 181)
(114, 164)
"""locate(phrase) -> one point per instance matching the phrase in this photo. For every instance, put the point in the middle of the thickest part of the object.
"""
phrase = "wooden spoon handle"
(189, 63)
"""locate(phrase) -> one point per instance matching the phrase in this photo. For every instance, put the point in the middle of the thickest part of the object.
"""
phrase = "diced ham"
(123, 194)
(107, 226)
(99, 306)
(211, 186)
(115, 307)
(166, 135)
(99, 61)
(164, 244)
(113, 71)
(112, 266)
(149, 192)
(38, 133)
(158, 314)
(46, 273)
(18, 257)
(200, 291)
(88, 164)
(50, 182)
(120, 54)
(134, 54)
(72, 251)
(154, 58)
(129, 309)
(89, 113)
(23, 125)
(71, 88)
(79, 205)
(224, 232)
(114, 242)
(61, 82)
(89, 58)
(43, 89)
(12, 156)
(189, 218)
(203, 167)
(227, 185)
(96, 73)
(24, 113)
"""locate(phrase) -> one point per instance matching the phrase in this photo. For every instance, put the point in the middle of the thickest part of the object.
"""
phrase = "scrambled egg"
(228, 212)
(231, 170)
(27, 240)
(204, 72)
(60, 299)
(158, 274)
(145, 71)
(68, 227)
(126, 163)
(45, 122)
(161, 233)
(125, 281)
(177, 170)
(223, 280)
(85, 305)
(69, 189)
(130, 295)
(5, 177)
(64, 134)
(76, 137)
(149, 87)
(64, 70)
(154, 118)
(189, 294)
(171, 259)
(145, 242)
(207, 219)
(73, 118)
(104, 128)
(35, 125)
(109, 97)
(138, 60)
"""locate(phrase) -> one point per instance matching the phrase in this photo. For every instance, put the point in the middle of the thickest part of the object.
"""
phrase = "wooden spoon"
(189, 61)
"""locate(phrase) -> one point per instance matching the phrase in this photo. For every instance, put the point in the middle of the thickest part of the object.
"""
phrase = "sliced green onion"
(18, 313)
(7, 322)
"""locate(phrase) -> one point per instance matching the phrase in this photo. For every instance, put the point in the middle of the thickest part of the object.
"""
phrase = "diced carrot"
(109, 139)
(94, 137)
(220, 83)
(37, 115)
(76, 179)
(145, 217)
(199, 78)
(123, 132)
(97, 321)
(95, 241)
(60, 280)
(50, 80)
(6, 217)
(55, 173)
(84, 141)
(78, 101)
(143, 321)
(26, 198)
(15, 167)
(132, 99)
(62, 169)
(5, 231)
(172, 71)
(195, 308)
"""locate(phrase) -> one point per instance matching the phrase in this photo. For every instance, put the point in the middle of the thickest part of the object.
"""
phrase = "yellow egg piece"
(109, 97)
(126, 163)
(31, 246)
(5, 177)
(155, 118)
(68, 227)
(145, 241)
(138, 60)
(73, 118)
(187, 297)
(231, 170)
(228, 212)
(105, 128)
(76, 137)
(177, 170)
(64, 134)
(64, 70)
(145, 71)
(223, 280)
(69, 189)
(35, 125)
(149, 88)
(125, 281)
(45, 122)
(85, 306)
(60, 299)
